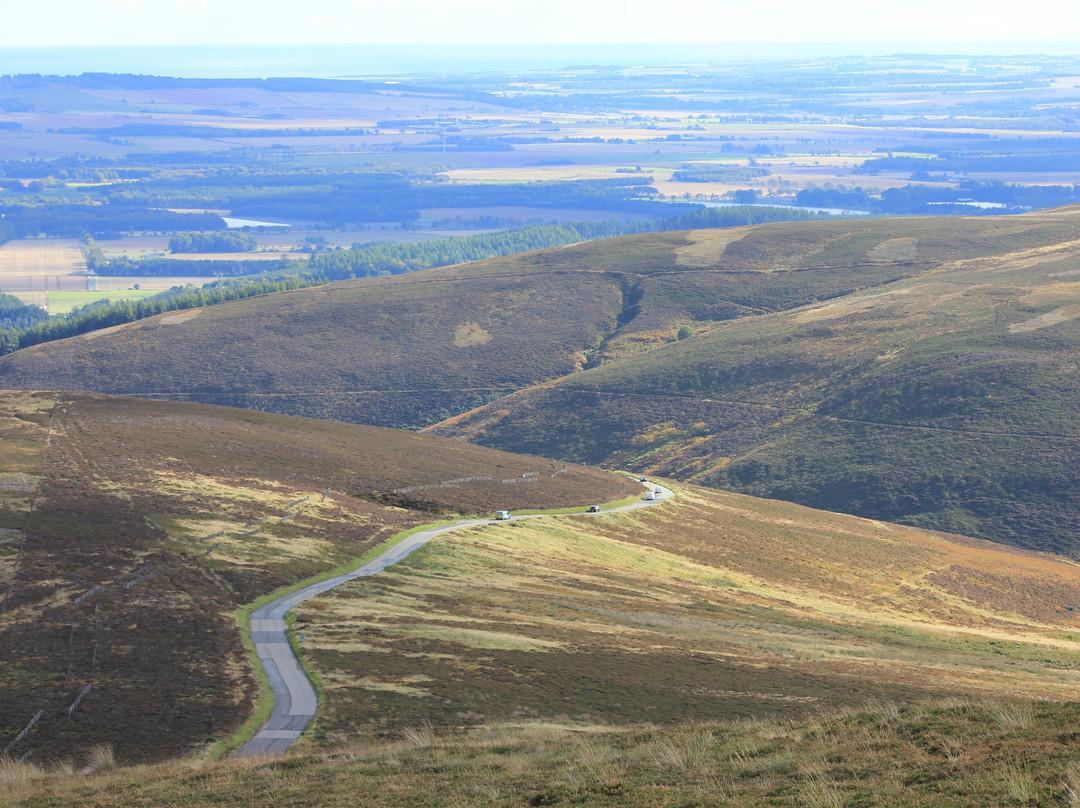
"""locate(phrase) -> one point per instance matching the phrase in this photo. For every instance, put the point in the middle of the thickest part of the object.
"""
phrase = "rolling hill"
(717, 649)
(407, 351)
(946, 399)
(916, 370)
(131, 530)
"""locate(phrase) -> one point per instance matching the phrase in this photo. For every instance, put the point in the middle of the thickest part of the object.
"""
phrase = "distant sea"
(360, 61)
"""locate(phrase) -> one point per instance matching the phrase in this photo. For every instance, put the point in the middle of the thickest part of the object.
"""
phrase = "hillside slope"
(913, 370)
(714, 650)
(411, 350)
(709, 607)
(130, 530)
(945, 400)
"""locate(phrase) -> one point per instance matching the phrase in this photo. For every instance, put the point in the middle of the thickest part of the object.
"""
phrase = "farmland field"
(63, 302)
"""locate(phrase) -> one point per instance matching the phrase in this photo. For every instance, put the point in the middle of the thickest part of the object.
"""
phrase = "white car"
(502, 515)
(650, 495)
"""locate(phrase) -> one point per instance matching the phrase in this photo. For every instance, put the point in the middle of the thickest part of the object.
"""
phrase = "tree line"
(362, 261)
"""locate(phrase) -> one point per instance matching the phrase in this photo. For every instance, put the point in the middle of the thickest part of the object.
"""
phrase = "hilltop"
(131, 530)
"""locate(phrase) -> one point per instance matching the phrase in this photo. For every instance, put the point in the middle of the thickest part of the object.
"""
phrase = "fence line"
(140, 579)
(95, 591)
(443, 484)
(144, 568)
(300, 501)
(26, 729)
(79, 698)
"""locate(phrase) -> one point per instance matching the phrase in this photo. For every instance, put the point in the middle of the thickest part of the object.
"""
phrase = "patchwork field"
(51, 273)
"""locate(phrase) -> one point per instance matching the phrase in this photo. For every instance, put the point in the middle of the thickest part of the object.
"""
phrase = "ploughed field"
(131, 530)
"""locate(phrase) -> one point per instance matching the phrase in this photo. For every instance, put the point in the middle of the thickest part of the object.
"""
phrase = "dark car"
(594, 509)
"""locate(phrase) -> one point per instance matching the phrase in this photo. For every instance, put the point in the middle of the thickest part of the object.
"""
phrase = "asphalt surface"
(295, 700)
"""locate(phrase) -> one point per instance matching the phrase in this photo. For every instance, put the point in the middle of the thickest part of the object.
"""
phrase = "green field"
(63, 302)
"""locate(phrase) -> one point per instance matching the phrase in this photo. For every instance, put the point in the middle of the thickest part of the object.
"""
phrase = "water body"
(811, 209)
(232, 222)
(360, 61)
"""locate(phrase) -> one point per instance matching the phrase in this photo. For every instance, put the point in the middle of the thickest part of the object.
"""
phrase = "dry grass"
(1009, 716)
(16, 778)
(101, 758)
(821, 761)
(713, 605)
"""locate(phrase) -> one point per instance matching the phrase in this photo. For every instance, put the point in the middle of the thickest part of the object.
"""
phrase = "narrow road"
(295, 700)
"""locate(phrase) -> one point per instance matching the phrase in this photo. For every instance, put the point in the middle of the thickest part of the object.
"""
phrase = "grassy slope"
(945, 399)
(95, 491)
(411, 350)
(711, 607)
(717, 650)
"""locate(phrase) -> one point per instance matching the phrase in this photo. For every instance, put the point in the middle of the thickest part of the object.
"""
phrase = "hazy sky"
(179, 22)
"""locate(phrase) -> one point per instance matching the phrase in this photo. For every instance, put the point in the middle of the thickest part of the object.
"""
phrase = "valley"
(279, 358)
(884, 368)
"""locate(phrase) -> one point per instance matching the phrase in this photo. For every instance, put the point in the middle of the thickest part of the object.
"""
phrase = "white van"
(650, 495)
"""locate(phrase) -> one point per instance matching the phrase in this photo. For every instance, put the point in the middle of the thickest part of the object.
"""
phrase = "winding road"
(295, 700)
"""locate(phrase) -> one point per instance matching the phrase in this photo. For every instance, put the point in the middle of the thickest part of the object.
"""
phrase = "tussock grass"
(420, 736)
(685, 750)
(101, 758)
(16, 778)
(1070, 785)
(819, 761)
(1009, 716)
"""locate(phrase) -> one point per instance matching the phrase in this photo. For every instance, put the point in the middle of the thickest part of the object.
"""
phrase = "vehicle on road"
(658, 490)
(502, 515)
(594, 509)
(642, 479)
(650, 495)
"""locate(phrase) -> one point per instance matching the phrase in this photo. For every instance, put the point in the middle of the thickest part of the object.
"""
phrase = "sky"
(225, 22)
